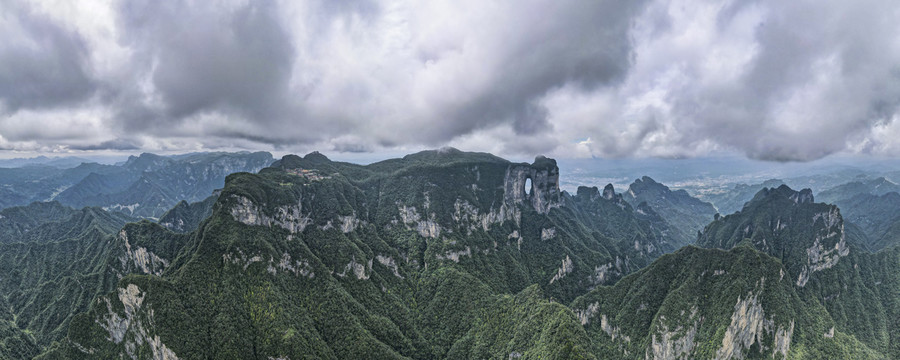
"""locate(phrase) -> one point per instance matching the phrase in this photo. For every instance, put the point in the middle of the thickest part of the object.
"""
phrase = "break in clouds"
(777, 80)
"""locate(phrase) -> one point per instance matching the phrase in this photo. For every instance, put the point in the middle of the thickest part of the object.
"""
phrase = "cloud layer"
(777, 80)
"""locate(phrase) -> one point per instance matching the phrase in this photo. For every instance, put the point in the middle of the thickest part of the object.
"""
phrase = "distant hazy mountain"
(144, 186)
(686, 214)
(62, 162)
(878, 216)
(871, 205)
(728, 202)
(877, 186)
(22, 186)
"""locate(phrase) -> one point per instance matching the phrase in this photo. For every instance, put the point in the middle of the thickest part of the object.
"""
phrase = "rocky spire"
(609, 192)
(544, 192)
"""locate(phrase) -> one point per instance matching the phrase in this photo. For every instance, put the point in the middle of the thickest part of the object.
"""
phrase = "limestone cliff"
(544, 193)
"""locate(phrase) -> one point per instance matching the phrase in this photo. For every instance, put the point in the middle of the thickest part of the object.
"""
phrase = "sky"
(767, 80)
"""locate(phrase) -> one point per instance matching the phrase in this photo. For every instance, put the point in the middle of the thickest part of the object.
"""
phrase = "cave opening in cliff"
(528, 189)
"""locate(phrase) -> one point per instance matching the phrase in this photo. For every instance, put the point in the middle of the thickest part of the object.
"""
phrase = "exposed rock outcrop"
(357, 269)
(144, 260)
(135, 327)
(677, 343)
(749, 325)
(469, 218)
(288, 217)
(609, 192)
(544, 193)
(427, 227)
(455, 255)
(822, 254)
(389, 262)
(804, 196)
(566, 267)
(547, 234)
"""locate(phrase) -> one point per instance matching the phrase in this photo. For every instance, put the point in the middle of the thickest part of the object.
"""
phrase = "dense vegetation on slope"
(51, 267)
(828, 267)
(706, 303)
(414, 257)
(791, 284)
(525, 325)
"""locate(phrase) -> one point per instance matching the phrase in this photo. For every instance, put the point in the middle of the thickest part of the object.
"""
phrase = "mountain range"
(144, 186)
(439, 254)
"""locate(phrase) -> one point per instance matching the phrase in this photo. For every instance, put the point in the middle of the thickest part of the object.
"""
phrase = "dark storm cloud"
(42, 65)
(116, 144)
(204, 56)
(580, 43)
(672, 78)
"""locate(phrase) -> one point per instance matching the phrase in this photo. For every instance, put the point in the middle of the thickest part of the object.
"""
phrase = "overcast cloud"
(777, 80)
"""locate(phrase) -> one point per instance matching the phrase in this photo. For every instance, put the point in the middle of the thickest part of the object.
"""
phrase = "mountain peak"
(544, 176)
(543, 162)
(609, 192)
(804, 196)
(316, 156)
(146, 161)
(447, 155)
(448, 150)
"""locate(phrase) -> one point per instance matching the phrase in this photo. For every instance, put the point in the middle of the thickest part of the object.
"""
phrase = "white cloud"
(668, 78)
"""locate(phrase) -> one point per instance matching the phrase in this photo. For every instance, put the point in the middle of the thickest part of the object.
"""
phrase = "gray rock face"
(677, 343)
(609, 192)
(288, 217)
(805, 196)
(544, 192)
(750, 325)
(588, 192)
(136, 327)
(567, 267)
(145, 261)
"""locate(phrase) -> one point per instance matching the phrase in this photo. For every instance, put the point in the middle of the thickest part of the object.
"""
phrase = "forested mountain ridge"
(51, 268)
(406, 258)
(785, 282)
(828, 265)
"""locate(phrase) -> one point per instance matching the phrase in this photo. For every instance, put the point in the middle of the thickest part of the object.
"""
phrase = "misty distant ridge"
(70, 161)
(144, 186)
(62, 162)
